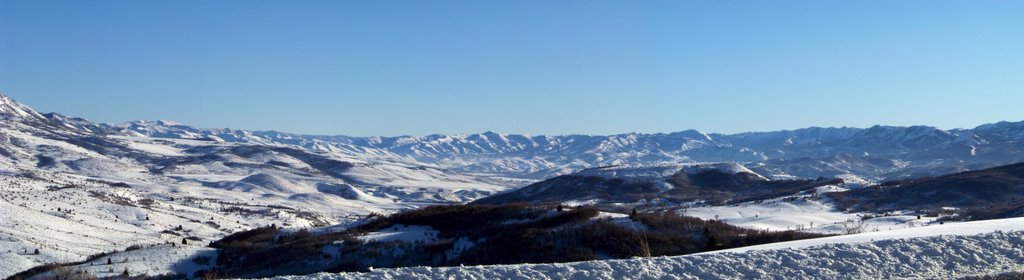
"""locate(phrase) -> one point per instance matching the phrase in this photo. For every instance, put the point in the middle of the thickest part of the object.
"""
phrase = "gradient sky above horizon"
(389, 68)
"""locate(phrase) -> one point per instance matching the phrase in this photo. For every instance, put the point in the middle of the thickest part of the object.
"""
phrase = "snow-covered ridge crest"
(658, 172)
(632, 173)
(10, 108)
(724, 167)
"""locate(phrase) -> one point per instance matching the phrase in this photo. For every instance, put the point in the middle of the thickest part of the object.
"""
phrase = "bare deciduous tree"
(854, 226)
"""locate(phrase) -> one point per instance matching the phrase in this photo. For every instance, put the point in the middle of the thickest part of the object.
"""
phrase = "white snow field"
(150, 261)
(933, 252)
(1014, 225)
(401, 233)
(808, 211)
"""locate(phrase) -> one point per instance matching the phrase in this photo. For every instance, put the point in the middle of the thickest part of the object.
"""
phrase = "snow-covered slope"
(10, 109)
(72, 188)
(657, 173)
(1015, 225)
(809, 211)
(935, 252)
(662, 185)
(151, 261)
(727, 168)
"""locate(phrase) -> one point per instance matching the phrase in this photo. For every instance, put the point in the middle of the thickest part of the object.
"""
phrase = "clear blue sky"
(540, 67)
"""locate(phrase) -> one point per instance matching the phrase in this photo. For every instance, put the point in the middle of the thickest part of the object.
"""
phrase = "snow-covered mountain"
(875, 153)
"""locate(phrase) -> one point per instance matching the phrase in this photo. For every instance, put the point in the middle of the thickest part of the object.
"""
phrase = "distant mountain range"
(875, 153)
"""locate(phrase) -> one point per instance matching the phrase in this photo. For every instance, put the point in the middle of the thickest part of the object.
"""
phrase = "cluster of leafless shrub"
(500, 234)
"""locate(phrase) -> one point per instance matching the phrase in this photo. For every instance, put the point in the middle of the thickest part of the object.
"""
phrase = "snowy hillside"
(638, 173)
(941, 251)
(70, 188)
(727, 168)
(662, 185)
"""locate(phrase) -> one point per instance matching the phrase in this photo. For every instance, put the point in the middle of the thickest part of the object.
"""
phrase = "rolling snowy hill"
(70, 188)
(659, 185)
(739, 196)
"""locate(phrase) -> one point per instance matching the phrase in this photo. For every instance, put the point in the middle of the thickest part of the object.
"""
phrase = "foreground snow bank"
(944, 254)
(965, 228)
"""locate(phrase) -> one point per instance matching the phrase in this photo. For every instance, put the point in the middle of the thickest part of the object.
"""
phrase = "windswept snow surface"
(807, 211)
(402, 233)
(954, 229)
(935, 252)
(150, 261)
(773, 215)
(725, 167)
